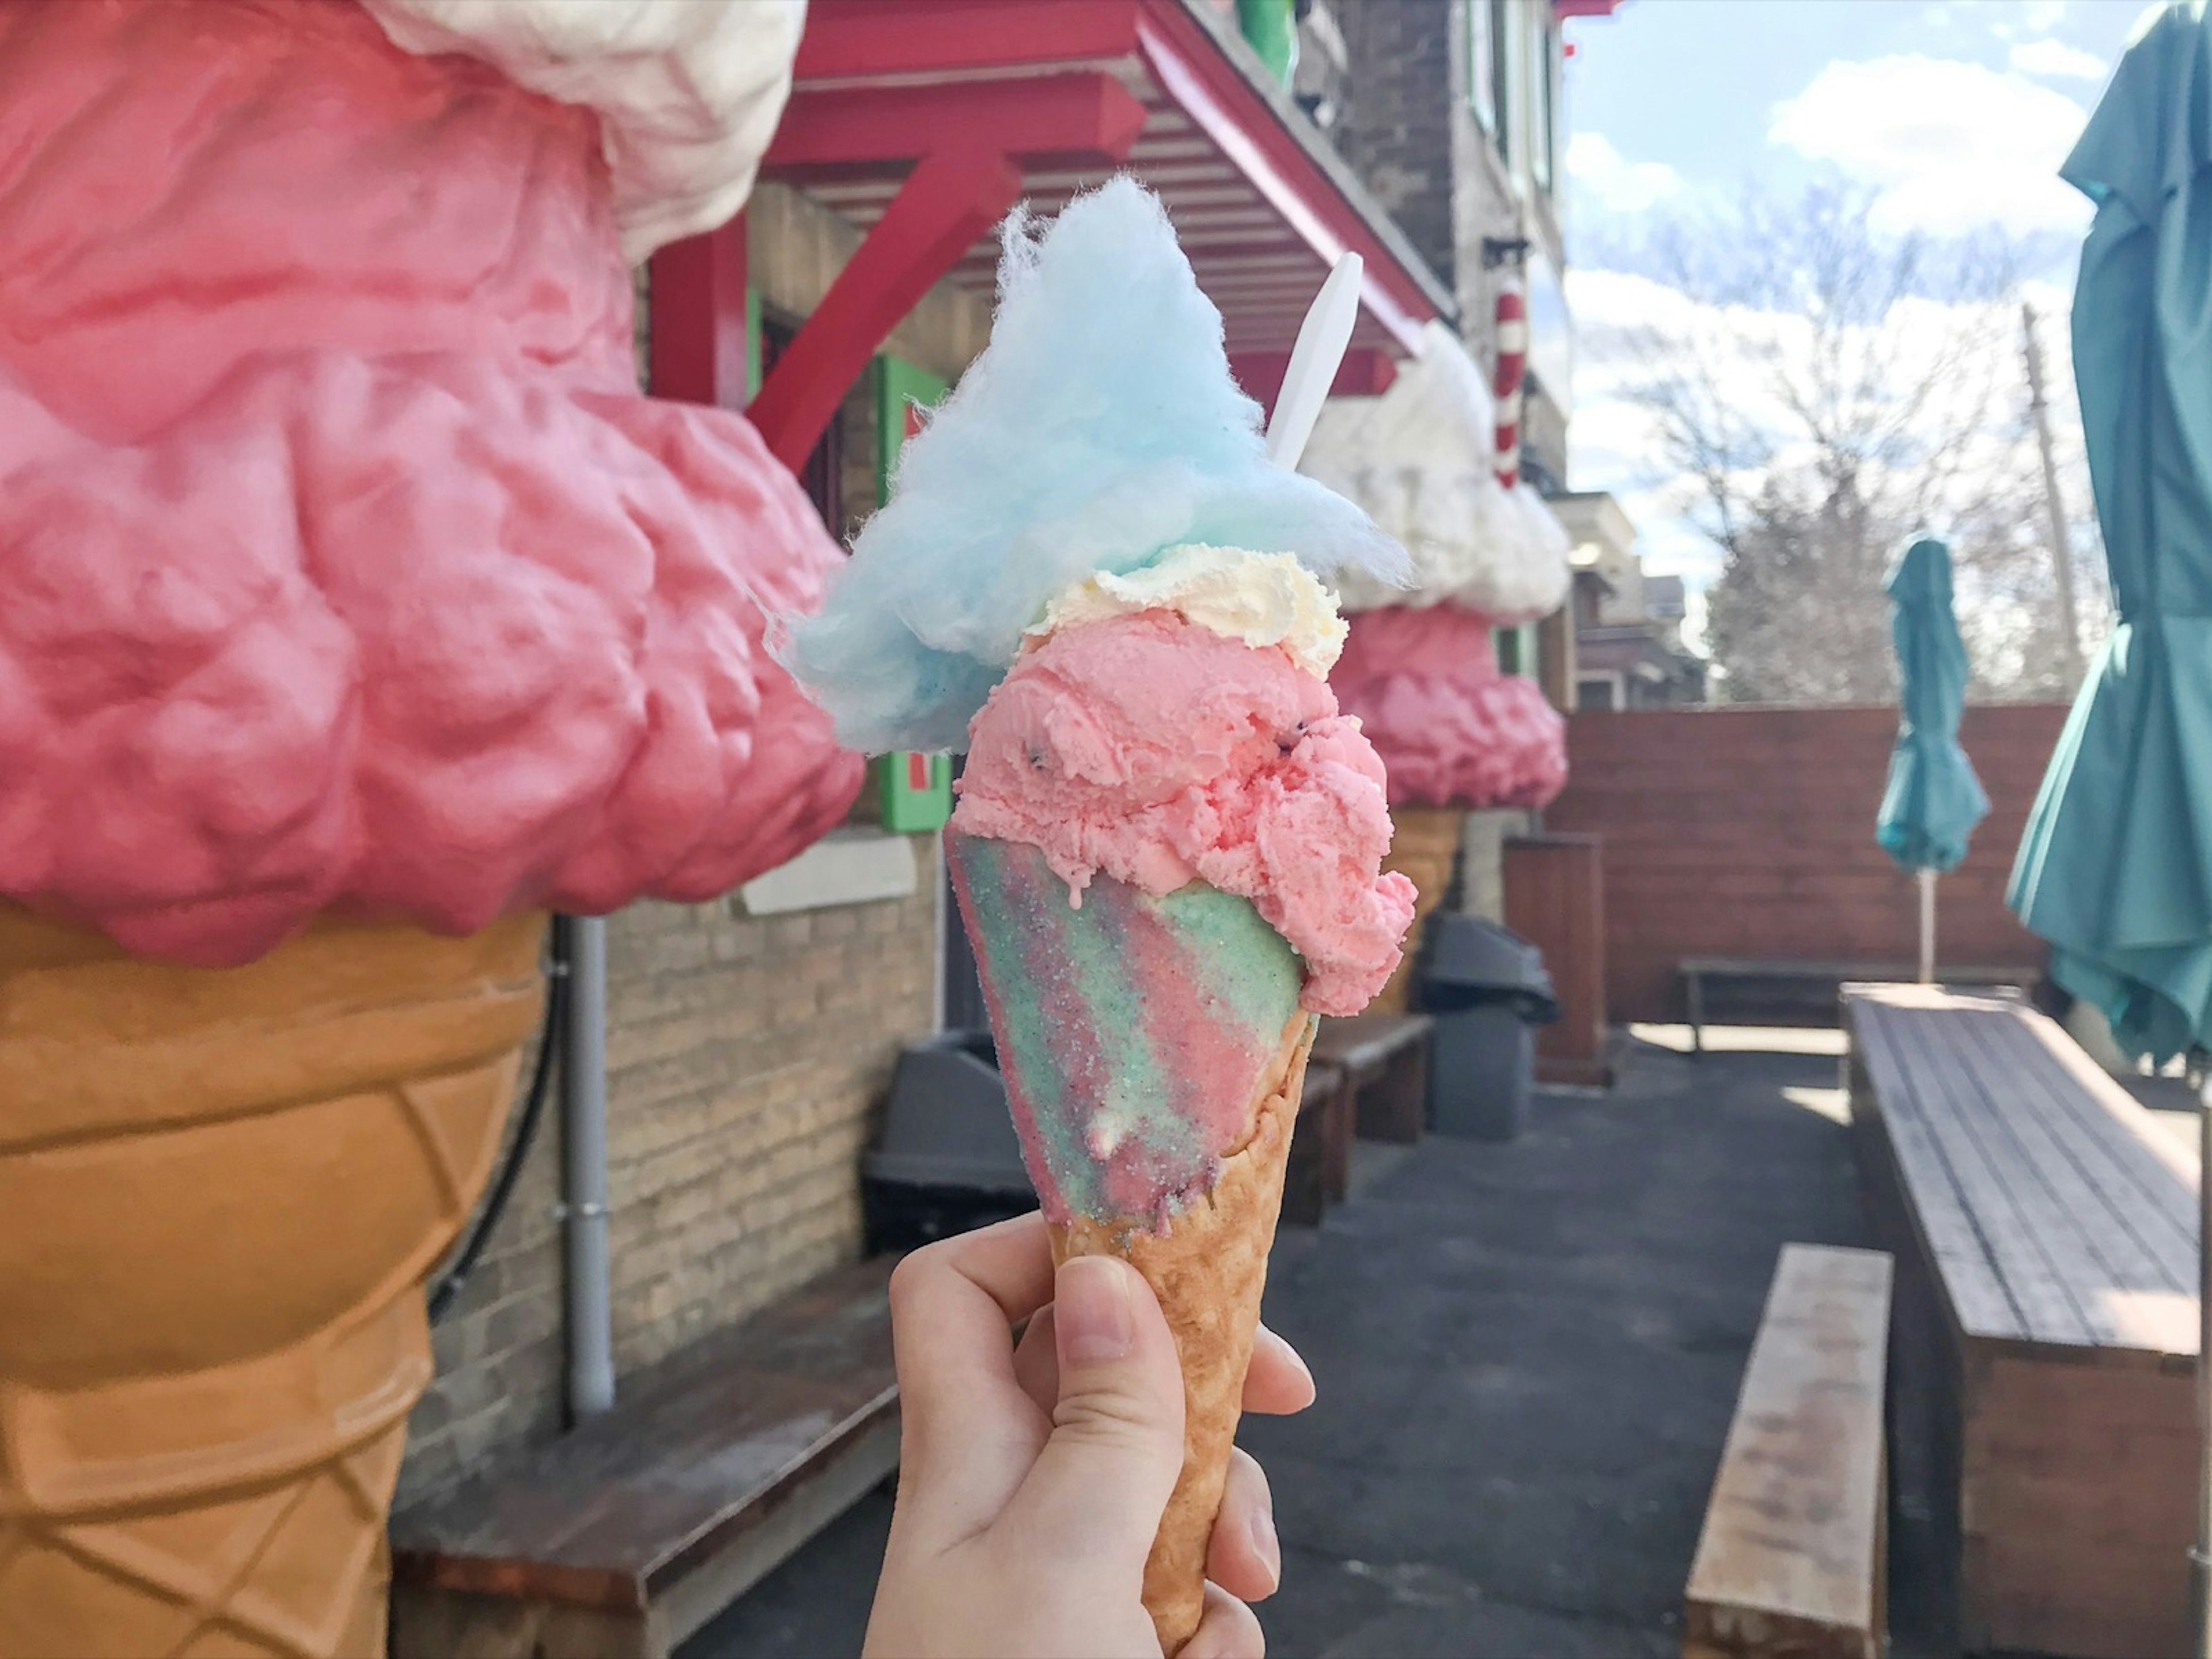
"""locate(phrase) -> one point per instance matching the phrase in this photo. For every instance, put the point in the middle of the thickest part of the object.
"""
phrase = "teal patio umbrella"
(1934, 799)
(2116, 866)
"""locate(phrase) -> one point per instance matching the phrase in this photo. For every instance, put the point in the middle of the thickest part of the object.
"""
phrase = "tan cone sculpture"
(220, 1191)
(1424, 849)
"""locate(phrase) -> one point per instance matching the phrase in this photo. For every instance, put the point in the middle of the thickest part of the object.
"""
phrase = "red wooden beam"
(697, 350)
(950, 200)
(855, 38)
(1087, 115)
(972, 141)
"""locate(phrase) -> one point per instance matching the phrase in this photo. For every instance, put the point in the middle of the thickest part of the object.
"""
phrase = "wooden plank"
(2155, 1171)
(2036, 1242)
(2077, 1504)
(2121, 1251)
(1363, 1043)
(699, 1451)
(1554, 891)
(2085, 1207)
(1751, 968)
(1974, 1291)
(1789, 1562)
(1926, 1082)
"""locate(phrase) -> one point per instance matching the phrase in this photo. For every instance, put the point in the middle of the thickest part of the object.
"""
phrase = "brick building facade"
(1448, 111)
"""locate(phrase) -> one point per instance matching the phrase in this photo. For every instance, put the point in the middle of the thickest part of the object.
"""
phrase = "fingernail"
(1264, 1541)
(1091, 1314)
(1284, 1348)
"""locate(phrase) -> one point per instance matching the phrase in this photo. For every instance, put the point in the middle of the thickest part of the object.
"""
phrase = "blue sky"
(1956, 113)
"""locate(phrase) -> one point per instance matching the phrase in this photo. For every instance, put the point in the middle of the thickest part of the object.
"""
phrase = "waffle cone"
(220, 1191)
(1424, 849)
(1208, 1269)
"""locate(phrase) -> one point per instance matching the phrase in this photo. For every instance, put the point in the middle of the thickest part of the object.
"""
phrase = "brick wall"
(1749, 832)
(498, 1349)
(1394, 113)
(745, 1058)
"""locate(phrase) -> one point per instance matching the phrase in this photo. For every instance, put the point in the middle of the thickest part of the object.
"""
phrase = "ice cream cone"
(1153, 1050)
(1208, 1269)
(1423, 848)
(220, 1193)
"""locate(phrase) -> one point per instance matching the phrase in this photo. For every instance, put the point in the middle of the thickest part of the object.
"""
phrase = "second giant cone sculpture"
(1167, 851)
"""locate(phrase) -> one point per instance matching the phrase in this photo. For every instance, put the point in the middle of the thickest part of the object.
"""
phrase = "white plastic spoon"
(1315, 359)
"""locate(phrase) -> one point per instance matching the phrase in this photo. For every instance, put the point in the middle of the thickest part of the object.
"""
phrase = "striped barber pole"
(1512, 365)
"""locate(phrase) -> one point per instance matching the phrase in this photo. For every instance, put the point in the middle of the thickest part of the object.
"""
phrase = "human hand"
(1032, 1475)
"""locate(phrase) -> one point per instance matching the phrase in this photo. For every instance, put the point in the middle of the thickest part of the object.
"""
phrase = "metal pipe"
(2200, 1558)
(1927, 926)
(584, 1155)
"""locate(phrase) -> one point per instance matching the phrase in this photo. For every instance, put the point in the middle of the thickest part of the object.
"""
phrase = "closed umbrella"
(2116, 867)
(1934, 799)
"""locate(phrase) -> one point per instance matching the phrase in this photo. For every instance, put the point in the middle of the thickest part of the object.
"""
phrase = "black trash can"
(947, 1159)
(1488, 991)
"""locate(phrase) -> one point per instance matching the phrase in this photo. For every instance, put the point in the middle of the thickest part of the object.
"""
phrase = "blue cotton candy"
(1099, 428)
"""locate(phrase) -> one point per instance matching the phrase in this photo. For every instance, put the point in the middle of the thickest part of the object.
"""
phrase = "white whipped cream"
(1421, 459)
(1260, 599)
(687, 92)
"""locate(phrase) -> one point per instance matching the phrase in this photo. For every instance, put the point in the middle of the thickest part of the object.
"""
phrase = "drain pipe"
(584, 1151)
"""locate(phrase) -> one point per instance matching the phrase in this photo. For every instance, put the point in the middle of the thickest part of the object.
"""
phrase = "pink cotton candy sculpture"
(1451, 730)
(342, 566)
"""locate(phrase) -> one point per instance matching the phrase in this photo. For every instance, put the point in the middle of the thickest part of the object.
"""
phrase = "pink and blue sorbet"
(1101, 428)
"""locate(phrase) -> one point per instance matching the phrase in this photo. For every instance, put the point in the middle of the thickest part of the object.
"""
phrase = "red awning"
(923, 121)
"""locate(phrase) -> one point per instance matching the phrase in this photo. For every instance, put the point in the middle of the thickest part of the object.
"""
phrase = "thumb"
(1096, 1491)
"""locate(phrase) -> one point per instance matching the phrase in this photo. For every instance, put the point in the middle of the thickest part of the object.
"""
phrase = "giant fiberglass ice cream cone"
(220, 1192)
(1419, 667)
(1166, 850)
(355, 610)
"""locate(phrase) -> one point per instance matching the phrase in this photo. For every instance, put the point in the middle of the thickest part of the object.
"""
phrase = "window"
(1543, 109)
(1503, 102)
(1481, 17)
(1598, 692)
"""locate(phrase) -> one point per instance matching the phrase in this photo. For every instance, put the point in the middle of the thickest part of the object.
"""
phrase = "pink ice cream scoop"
(340, 565)
(1154, 750)
(1451, 729)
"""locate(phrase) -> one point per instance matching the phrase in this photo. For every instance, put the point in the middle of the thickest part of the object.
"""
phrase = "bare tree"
(1824, 393)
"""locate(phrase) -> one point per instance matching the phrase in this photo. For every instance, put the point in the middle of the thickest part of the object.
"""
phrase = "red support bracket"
(969, 143)
(697, 352)
(947, 201)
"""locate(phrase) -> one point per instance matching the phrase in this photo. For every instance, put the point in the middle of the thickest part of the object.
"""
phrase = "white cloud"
(1949, 144)
(1629, 323)
(2056, 60)
(1602, 174)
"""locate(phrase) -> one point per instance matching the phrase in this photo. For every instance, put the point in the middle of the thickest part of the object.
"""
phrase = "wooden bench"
(2045, 1231)
(1697, 971)
(1790, 1564)
(1384, 1062)
(622, 1537)
(1321, 1146)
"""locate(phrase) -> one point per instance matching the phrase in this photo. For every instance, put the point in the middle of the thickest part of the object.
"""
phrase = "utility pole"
(2061, 544)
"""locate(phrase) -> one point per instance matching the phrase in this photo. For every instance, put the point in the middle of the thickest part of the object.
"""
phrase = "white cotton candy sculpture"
(1418, 459)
